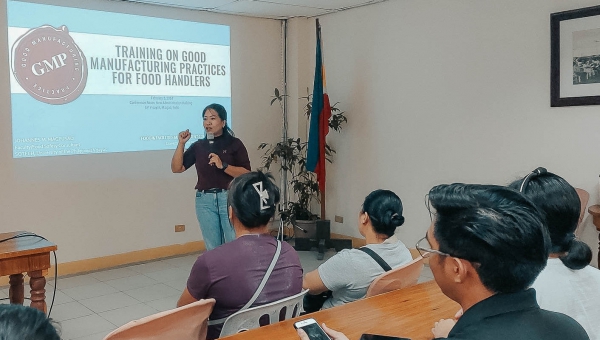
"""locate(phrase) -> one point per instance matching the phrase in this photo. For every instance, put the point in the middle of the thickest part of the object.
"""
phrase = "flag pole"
(323, 210)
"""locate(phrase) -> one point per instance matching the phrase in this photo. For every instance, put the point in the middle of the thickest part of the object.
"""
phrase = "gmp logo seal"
(49, 65)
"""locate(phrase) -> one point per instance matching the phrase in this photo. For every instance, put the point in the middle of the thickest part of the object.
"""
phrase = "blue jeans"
(211, 210)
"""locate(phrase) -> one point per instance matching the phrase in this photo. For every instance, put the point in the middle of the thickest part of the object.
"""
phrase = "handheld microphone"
(211, 142)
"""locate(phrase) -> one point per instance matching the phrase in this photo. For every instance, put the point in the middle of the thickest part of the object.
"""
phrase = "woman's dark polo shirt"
(231, 150)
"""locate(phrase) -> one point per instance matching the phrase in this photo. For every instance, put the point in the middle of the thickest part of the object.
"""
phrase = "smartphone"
(312, 329)
(380, 337)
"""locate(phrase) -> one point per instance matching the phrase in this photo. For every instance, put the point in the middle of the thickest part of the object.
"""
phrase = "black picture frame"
(590, 95)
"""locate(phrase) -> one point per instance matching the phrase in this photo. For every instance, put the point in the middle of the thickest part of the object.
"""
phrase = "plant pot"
(309, 225)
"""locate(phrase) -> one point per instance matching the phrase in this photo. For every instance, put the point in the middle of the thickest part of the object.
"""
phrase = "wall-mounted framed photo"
(575, 57)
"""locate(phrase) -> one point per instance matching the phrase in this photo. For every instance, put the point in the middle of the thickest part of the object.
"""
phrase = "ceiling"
(274, 9)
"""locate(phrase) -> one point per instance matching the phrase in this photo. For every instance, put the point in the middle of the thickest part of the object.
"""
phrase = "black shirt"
(515, 316)
(231, 150)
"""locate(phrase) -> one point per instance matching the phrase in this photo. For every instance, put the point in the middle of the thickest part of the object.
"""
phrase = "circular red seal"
(49, 65)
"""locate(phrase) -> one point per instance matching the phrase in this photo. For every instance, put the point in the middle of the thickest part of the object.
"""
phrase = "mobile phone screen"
(315, 332)
(380, 337)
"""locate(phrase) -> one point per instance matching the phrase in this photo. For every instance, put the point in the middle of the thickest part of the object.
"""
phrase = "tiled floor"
(89, 306)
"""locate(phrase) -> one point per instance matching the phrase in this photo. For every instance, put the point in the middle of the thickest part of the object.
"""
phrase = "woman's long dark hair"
(559, 202)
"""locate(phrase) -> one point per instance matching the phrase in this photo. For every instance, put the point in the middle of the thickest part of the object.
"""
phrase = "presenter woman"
(219, 158)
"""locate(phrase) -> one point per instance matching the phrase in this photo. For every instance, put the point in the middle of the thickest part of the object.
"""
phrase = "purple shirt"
(232, 272)
(231, 150)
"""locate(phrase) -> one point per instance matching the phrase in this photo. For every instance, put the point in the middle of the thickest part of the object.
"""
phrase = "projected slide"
(87, 81)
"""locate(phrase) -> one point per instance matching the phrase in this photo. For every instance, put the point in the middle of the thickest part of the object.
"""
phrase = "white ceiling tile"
(327, 4)
(265, 8)
(192, 4)
(268, 9)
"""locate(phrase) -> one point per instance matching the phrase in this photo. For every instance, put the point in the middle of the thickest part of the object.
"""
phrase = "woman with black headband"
(568, 284)
(347, 275)
(255, 268)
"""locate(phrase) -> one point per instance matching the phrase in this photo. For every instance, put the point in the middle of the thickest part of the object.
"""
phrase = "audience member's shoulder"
(592, 271)
(343, 259)
(565, 324)
(350, 254)
(222, 250)
(287, 247)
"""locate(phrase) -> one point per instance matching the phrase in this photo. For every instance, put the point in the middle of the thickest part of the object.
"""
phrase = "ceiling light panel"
(192, 4)
(270, 9)
(326, 4)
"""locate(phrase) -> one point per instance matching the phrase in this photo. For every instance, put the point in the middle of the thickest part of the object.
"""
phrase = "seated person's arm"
(186, 298)
(312, 281)
(198, 284)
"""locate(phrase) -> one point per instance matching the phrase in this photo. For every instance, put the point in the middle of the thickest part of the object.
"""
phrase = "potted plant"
(290, 154)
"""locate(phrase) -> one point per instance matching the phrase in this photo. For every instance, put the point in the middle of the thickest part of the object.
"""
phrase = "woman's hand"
(184, 136)
(334, 335)
(442, 328)
(213, 159)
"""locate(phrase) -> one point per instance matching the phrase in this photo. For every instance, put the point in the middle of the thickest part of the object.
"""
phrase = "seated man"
(233, 272)
(486, 245)
(25, 323)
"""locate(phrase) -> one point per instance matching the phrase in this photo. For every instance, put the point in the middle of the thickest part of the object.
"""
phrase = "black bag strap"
(377, 258)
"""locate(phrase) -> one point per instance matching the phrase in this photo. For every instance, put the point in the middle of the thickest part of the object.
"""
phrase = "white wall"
(98, 205)
(448, 91)
(435, 92)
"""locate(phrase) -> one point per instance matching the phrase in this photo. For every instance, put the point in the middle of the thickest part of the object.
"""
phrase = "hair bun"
(397, 220)
(385, 211)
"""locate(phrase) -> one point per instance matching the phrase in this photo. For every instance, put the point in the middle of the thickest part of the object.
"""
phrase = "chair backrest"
(584, 197)
(249, 318)
(401, 277)
(187, 322)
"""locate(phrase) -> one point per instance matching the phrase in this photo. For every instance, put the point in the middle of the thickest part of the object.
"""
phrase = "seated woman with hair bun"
(346, 276)
(568, 284)
(233, 272)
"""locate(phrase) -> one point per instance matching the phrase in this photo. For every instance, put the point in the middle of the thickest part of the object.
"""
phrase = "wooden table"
(409, 312)
(29, 255)
(594, 210)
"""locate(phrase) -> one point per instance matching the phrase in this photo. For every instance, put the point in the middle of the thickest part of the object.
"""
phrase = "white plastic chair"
(249, 318)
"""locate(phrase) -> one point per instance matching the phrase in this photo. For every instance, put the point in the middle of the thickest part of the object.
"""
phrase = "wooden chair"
(401, 277)
(584, 197)
(250, 318)
(188, 322)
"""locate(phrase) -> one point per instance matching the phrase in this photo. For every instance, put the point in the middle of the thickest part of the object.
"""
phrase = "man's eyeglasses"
(425, 250)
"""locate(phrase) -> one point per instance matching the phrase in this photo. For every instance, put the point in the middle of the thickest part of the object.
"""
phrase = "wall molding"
(118, 260)
(145, 255)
